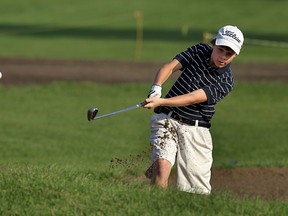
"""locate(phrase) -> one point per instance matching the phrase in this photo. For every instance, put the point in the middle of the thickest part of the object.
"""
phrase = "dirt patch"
(268, 183)
(30, 71)
(264, 183)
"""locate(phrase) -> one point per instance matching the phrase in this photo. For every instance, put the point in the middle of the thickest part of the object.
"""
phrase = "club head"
(91, 113)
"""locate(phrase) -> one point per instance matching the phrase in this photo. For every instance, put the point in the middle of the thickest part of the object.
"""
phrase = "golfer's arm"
(166, 70)
(195, 97)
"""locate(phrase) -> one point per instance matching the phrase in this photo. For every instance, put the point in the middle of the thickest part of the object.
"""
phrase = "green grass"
(48, 123)
(52, 190)
(54, 162)
(253, 120)
(107, 29)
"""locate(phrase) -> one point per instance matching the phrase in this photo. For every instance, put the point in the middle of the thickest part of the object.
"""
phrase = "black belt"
(183, 120)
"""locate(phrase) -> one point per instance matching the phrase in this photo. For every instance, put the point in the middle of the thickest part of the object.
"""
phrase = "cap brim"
(224, 42)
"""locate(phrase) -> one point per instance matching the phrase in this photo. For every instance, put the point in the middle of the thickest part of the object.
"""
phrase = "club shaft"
(119, 111)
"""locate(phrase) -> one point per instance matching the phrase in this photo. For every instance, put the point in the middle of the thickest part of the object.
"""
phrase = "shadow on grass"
(119, 34)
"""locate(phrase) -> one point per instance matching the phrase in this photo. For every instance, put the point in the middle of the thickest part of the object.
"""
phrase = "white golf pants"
(189, 146)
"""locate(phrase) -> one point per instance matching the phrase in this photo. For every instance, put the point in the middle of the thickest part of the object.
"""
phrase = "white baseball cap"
(230, 36)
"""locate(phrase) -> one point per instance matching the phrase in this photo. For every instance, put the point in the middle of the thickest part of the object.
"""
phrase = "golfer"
(180, 128)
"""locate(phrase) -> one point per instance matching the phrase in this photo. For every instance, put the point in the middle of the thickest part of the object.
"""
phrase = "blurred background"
(137, 29)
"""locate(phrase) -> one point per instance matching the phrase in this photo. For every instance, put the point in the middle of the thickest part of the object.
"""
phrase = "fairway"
(114, 73)
(52, 156)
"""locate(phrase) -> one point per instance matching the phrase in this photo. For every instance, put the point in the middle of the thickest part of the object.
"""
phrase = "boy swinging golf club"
(180, 127)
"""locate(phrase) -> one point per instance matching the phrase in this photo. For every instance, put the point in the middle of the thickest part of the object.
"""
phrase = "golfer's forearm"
(162, 75)
(166, 70)
(198, 96)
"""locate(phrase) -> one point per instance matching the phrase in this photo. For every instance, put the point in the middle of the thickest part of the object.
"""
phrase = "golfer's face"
(221, 56)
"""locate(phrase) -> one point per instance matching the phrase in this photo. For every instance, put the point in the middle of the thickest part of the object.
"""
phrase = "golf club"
(92, 112)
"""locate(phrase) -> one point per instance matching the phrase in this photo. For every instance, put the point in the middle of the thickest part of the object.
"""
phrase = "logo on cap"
(232, 35)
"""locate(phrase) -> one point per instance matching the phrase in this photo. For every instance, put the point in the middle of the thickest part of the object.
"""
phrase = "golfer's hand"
(155, 91)
(151, 103)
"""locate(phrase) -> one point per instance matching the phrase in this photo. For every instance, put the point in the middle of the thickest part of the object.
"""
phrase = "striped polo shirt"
(198, 74)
